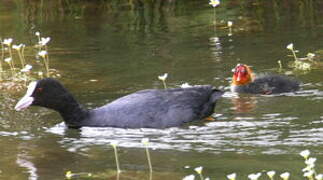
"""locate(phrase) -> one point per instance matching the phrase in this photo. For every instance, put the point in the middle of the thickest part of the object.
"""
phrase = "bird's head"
(242, 75)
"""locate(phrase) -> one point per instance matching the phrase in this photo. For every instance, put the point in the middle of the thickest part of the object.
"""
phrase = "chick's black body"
(150, 108)
(268, 84)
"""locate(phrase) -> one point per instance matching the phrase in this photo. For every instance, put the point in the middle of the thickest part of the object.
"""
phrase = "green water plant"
(305, 154)
(25, 72)
(304, 64)
(199, 171)
(71, 175)
(44, 55)
(114, 144)
(291, 48)
(2, 54)
(163, 79)
(214, 4)
(232, 176)
(37, 33)
(8, 43)
(285, 175)
(254, 176)
(9, 61)
(20, 50)
(145, 142)
(280, 65)
(189, 177)
(229, 24)
(271, 174)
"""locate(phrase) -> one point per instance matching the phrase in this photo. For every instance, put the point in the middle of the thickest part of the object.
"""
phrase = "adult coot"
(245, 81)
(151, 108)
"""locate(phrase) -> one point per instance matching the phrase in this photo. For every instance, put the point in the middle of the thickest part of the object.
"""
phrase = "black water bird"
(151, 108)
(245, 81)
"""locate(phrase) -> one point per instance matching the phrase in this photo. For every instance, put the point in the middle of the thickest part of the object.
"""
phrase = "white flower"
(309, 174)
(7, 41)
(310, 161)
(230, 23)
(44, 41)
(37, 33)
(17, 47)
(305, 153)
(114, 143)
(199, 169)
(308, 167)
(232, 176)
(310, 55)
(290, 46)
(27, 68)
(163, 77)
(319, 177)
(254, 176)
(214, 3)
(145, 141)
(69, 174)
(42, 53)
(271, 174)
(189, 177)
(7, 60)
(185, 85)
(285, 175)
(40, 73)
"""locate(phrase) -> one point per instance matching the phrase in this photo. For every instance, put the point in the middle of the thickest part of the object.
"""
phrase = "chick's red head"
(242, 75)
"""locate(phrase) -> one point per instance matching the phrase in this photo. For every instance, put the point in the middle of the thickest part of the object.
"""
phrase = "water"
(124, 47)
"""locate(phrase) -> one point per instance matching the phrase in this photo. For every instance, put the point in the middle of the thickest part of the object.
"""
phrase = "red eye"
(39, 89)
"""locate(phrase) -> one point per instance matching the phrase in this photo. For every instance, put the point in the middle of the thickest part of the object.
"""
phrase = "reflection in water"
(23, 161)
(244, 103)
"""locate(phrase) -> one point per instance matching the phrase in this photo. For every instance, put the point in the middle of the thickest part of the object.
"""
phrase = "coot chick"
(245, 81)
(151, 108)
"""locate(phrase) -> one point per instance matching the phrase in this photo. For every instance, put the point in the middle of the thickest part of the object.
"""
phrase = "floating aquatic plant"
(230, 23)
(232, 176)
(285, 175)
(2, 54)
(214, 4)
(254, 176)
(20, 48)
(189, 177)
(25, 71)
(304, 64)
(163, 79)
(271, 174)
(8, 43)
(199, 171)
(114, 145)
(71, 175)
(44, 55)
(145, 142)
(19, 76)
(291, 48)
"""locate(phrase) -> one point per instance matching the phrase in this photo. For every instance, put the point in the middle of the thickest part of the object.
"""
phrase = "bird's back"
(269, 84)
(155, 108)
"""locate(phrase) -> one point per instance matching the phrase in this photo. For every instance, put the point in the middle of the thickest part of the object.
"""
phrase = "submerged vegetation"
(303, 64)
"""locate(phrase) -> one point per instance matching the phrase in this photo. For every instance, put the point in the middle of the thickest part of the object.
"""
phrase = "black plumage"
(151, 108)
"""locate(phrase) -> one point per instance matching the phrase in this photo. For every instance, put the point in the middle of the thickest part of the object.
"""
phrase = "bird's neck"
(72, 112)
(74, 115)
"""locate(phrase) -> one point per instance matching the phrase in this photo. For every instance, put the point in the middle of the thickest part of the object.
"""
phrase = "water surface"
(124, 47)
